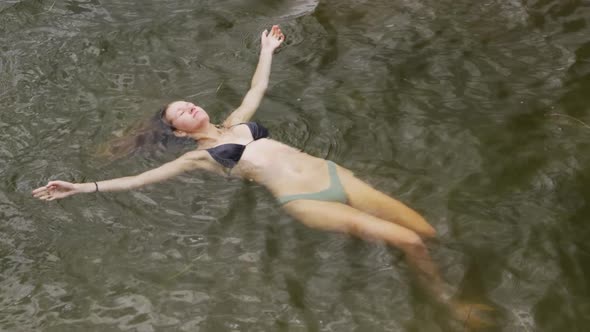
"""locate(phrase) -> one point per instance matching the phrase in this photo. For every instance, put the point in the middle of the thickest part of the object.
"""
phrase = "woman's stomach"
(284, 170)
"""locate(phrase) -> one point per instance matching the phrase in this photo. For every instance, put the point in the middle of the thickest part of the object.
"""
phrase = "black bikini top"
(228, 155)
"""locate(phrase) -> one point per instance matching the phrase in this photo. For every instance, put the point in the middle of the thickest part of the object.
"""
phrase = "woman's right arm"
(60, 189)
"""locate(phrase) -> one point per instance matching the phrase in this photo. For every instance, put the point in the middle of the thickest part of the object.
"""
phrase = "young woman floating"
(317, 192)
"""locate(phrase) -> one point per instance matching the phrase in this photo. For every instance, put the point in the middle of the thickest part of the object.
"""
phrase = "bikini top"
(228, 155)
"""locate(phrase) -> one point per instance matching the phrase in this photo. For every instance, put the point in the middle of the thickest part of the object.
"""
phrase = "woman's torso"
(282, 169)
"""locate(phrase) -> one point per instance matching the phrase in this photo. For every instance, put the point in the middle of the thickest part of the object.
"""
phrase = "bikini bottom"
(334, 193)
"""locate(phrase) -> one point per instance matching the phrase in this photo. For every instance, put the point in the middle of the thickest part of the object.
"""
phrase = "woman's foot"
(473, 315)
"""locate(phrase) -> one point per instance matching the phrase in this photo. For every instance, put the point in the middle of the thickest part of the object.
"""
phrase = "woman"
(317, 192)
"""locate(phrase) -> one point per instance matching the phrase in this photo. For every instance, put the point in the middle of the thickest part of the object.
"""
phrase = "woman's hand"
(55, 190)
(273, 39)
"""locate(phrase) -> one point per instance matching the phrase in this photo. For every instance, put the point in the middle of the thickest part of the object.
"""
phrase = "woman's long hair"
(152, 135)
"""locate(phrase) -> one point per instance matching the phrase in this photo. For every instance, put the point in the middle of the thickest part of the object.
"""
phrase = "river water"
(475, 113)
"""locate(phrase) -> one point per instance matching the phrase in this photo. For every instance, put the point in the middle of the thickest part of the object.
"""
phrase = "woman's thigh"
(338, 217)
(363, 197)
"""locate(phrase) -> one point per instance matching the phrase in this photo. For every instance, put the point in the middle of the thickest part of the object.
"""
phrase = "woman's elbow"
(260, 86)
(134, 183)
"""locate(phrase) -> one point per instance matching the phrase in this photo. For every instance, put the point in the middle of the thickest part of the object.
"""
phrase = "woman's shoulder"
(256, 129)
(195, 155)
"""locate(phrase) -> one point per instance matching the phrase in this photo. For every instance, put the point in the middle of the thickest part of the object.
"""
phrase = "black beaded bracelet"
(96, 185)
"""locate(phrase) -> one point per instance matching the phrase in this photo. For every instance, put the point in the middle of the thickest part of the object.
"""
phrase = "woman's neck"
(208, 134)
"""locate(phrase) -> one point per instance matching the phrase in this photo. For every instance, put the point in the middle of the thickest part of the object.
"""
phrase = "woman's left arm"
(269, 41)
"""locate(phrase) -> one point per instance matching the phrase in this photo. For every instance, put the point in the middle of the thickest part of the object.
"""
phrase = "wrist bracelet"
(96, 185)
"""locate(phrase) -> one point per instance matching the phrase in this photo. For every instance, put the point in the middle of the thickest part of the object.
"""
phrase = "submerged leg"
(342, 218)
(338, 217)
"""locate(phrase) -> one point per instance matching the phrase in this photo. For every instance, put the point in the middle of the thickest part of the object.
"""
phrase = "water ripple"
(473, 114)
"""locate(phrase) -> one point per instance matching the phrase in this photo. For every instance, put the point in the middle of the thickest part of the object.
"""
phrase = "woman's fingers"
(40, 189)
(53, 190)
(43, 194)
(38, 193)
(274, 33)
(50, 196)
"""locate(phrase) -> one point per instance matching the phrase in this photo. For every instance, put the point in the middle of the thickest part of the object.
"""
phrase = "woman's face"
(187, 117)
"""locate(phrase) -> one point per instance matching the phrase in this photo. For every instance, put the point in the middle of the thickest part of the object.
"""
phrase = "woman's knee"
(412, 244)
(428, 232)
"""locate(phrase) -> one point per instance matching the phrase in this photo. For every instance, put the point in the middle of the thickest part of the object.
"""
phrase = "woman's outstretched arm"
(269, 41)
(61, 189)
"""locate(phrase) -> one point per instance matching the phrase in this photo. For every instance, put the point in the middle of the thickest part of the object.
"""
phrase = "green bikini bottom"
(334, 193)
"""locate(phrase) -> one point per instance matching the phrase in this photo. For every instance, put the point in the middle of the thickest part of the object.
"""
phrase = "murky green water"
(469, 111)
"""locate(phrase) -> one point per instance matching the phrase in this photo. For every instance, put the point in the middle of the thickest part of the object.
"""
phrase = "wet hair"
(162, 115)
(153, 134)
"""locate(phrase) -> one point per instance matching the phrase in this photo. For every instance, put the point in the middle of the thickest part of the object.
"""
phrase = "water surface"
(473, 113)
